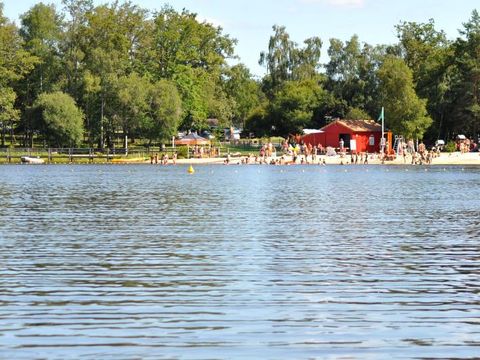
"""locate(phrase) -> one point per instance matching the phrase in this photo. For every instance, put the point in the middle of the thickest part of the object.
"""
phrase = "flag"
(382, 115)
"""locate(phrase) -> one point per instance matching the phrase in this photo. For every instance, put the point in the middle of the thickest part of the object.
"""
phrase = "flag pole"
(382, 141)
(383, 122)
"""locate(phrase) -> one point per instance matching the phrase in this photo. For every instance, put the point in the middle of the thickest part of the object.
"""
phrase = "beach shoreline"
(373, 159)
(444, 159)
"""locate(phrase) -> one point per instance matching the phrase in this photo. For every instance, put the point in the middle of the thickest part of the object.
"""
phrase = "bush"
(182, 152)
(451, 147)
(59, 117)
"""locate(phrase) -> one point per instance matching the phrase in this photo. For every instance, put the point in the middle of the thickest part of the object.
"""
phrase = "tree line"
(86, 74)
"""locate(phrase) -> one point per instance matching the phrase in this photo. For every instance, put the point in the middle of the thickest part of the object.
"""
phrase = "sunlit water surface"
(252, 262)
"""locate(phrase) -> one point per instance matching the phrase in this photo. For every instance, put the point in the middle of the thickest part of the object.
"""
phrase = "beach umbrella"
(192, 139)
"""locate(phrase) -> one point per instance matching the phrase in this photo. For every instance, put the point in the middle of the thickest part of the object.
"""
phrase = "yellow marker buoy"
(191, 170)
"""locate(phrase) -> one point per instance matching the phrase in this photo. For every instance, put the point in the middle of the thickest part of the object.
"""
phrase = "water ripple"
(239, 262)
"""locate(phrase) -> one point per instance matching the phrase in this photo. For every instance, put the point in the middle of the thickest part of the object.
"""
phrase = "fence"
(71, 155)
(107, 155)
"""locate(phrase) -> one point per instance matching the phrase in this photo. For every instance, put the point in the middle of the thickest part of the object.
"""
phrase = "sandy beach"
(444, 159)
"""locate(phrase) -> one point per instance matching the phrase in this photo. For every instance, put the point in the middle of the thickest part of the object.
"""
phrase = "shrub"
(451, 147)
(181, 152)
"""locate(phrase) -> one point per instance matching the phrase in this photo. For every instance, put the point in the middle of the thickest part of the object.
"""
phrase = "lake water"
(252, 262)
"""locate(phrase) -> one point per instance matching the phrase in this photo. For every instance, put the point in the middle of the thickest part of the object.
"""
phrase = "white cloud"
(212, 21)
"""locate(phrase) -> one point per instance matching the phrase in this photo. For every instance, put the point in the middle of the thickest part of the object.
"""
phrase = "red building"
(357, 135)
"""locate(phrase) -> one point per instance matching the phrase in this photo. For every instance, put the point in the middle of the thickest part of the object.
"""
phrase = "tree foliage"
(15, 63)
(465, 87)
(59, 119)
(406, 113)
(165, 110)
(144, 74)
(285, 61)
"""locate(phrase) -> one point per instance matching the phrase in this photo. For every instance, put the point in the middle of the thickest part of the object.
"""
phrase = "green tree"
(165, 111)
(72, 47)
(244, 91)
(285, 61)
(193, 54)
(8, 113)
(351, 72)
(15, 64)
(180, 40)
(428, 54)
(279, 58)
(293, 107)
(307, 59)
(406, 114)
(465, 109)
(110, 39)
(41, 31)
(132, 93)
(191, 84)
(357, 114)
(418, 43)
(258, 122)
(59, 119)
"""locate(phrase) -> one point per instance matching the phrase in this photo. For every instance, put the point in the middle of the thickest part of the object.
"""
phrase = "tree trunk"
(3, 134)
(440, 125)
(12, 135)
(102, 144)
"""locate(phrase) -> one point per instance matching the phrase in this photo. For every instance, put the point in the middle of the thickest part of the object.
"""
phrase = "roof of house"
(357, 125)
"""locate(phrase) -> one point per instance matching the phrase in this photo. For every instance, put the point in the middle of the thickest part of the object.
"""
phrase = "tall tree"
(406, 114)
(15, 63)
(193, 54)
(180, 39)
(59, 119)
(285, 61)
(71, 46)
(351, 72)
(428, 54)
(418, 43)
(279, 58)
(466, 79)
(131, 104)
(293, 107)
(165, 111)
(244, 91)
(41, 31)
(110, 41)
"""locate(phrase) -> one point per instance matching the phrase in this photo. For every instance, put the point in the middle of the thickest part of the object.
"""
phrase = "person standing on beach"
(410, 146)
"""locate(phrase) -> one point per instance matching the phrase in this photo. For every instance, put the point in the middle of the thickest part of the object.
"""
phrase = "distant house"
(357, 135)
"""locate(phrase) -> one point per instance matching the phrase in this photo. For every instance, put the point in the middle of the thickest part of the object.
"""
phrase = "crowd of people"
(163, 159)
(300, 153)
(465, 145)
(292, 152)
(200, 152)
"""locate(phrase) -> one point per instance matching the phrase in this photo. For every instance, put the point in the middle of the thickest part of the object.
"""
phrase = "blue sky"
(250, 21)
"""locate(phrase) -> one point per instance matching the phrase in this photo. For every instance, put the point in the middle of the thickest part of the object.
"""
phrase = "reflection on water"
(108, 262)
